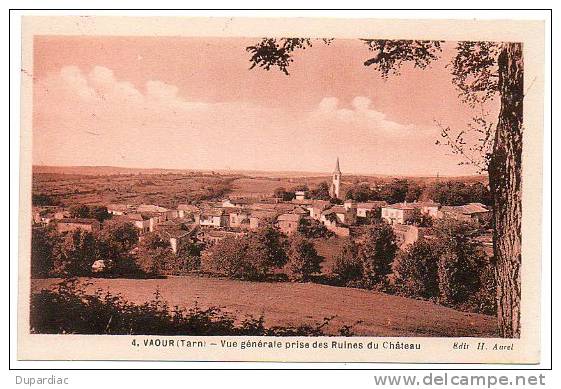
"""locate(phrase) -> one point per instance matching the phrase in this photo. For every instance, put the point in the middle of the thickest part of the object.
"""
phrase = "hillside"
(291, 304)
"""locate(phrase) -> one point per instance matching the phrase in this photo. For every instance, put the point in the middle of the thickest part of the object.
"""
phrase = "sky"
(193, 103)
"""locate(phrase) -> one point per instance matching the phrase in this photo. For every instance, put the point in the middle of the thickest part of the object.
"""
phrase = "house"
(235, 203)
(212, 217)
(302, 202)
(177, 238)
(485, 240)
(140, 221)
(370, 208)
(260, 218)
(169, 225)
(398, 213)
(71, 224)
(468, 212)
(332, 220)
(211, 237)
(428, 208)
(151, 208)
(341, 214)
(46, 214)
(300, 195)
(407, 234)
(238, 218)
(301, 211)
(288, 222)
(186, 210)
(317, 207)
(119, 209)
(349, 204)
(61, 214)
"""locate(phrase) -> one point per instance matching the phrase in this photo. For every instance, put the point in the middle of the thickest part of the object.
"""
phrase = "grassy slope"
(289, 303)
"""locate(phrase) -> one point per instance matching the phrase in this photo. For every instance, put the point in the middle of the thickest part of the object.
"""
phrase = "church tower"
(336, 181)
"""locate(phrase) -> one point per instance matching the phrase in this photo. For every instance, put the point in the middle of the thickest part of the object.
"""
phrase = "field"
(292, 304)
(166, 190)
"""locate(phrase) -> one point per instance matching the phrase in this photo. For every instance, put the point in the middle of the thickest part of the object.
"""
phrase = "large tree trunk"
(505, 179)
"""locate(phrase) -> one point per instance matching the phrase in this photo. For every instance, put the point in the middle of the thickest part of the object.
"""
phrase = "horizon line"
(231, 170)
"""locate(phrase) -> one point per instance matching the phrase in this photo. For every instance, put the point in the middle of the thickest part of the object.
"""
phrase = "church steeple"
(334, 189)
(337, 168)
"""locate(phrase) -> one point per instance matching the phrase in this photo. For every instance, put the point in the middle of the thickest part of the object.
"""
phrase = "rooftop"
(289, 217)
(78, 221)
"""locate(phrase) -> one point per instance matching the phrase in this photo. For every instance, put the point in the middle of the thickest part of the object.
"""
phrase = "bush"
(303, 259)
(416, 270)
(70, 310)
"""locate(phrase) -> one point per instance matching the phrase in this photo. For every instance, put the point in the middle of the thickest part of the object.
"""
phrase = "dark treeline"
(443, 192)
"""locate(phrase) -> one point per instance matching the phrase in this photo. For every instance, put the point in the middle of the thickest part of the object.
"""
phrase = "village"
(209, 222)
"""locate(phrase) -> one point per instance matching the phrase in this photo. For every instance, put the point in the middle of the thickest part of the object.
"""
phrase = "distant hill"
(101, 170)
(112, 170)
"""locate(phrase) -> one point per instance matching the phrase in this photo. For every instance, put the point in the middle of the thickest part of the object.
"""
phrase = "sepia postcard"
(280, 189)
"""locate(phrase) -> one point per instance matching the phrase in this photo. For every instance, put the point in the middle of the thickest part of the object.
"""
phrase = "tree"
(376, 252)
(360, 193)
(480, 71)
(420, 219)
(283, 194)
(42, 243)
(311, 228)
(250, 257)
(272, 245)
(116, 240)
(321, 192)
(303, 259)
(99, 212)
(79, 211)
(414, 192)
(120, 234)
(154, 252)
(301, 188)
(460, 262)
(416, 269)
(42, 199)
(348, 267)
(74, 254)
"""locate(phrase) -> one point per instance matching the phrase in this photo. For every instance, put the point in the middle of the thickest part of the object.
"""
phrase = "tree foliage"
(392, 54)
(98, 212)
(303, 259)
(377, 249)
(347, 267)
(250, 257)
(460, 261)
(321, 192)
(74, 253)
(416, 270)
